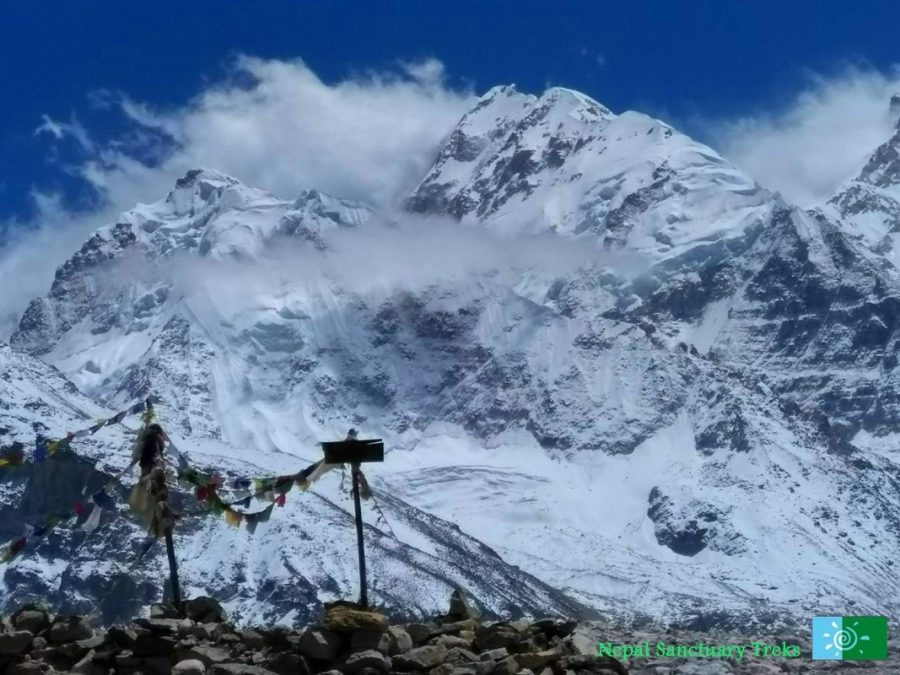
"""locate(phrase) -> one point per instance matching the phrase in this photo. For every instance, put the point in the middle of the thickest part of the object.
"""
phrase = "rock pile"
(349, 641)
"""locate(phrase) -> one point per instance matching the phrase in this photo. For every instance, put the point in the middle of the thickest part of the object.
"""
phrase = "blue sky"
(703, 65)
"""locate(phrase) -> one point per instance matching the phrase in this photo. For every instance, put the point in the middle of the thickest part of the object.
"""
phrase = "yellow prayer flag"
(233, 518)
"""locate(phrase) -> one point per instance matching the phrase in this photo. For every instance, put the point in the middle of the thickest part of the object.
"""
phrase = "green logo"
(850, 638)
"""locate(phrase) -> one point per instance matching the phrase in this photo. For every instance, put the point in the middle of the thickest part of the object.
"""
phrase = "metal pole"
(173, 571)
(363, 592)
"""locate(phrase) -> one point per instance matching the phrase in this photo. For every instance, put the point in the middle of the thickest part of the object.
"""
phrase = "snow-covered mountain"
(708, 435)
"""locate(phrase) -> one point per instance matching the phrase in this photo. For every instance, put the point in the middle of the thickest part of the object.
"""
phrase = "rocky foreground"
(352, 641)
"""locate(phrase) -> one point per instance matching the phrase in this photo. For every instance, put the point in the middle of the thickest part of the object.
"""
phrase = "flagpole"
(173, 571)
(363, 592)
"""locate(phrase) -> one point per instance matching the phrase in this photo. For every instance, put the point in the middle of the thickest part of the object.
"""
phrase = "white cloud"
(60, 130)
(272, 124)
(370, 137)
(819, 140)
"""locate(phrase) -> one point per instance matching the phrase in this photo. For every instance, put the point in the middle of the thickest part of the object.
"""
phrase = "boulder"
(443, 669)
(583, 664)
(69, 629)
(363, 640)
(461, 655)
(122, 636)
(421, 658)
(206, 654)
(15, 643)
(204, 610)
(496, 636)
(151, 645)
(32, 618)
(420, 632)
(347, 618)
(400, 641)
(239, 669)
(450, 641)
(158, 611)
(459, 607)
(555, 627)
(162, 626)
(507, 666)
(535, 661)
(494, 654)
(319, 644)
(189, 667)
(253, 639)
(368, 659)
(287, 664)
(86, 666)
(457, 627)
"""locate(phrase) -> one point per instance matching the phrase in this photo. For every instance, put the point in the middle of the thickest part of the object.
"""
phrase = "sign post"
(173, 572)
(354, 452)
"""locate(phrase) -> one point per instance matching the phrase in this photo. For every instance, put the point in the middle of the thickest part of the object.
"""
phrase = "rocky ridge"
(348, 641)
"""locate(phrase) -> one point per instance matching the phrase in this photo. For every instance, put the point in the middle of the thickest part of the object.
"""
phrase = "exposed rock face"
(728, 402)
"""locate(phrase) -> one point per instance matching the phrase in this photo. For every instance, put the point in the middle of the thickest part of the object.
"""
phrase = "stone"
(496, 636)
(456, 627)
(535, 661)
(185, 628)
(163, 626)
(158, 611)
(421, 658)
(253, 639)
(86, 666)
(494, 654)
(204, 610)
(507, 666)
(153, 645)
(124, 637)
(15, 643)
(459, 606)
(461, 655)
(69, 629)
(276, 637)
(443, 669)
(347, 618)
(239, 669)
(420, 632)
(582, 644)
(319, 644)
(555, 627)
(91, 643)
(26, 668)
(39, 643)
(189, 667)
(32, 618)
(368, 659)
(400, 641)
(450, 641)
(206, 654)
(363, 640)
(592, 664)
(211, 631)
(469, 669)
(287, 664)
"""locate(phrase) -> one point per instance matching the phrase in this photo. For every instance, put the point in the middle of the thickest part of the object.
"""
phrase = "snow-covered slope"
(304, 555)
(520, 164)
(674, 440)
(869, 204)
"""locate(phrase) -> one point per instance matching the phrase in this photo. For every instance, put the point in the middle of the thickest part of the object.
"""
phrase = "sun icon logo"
(849, 637)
